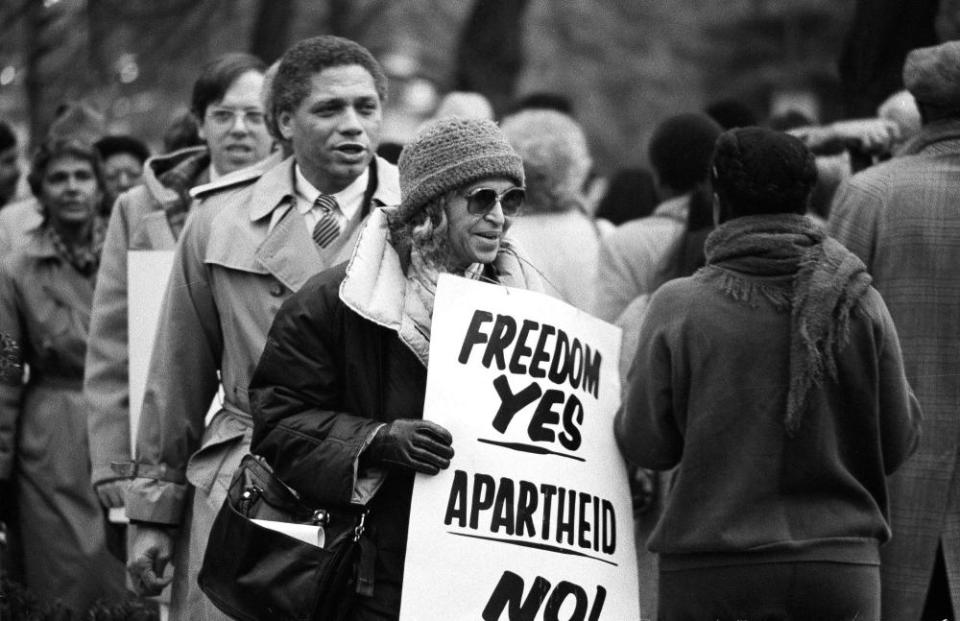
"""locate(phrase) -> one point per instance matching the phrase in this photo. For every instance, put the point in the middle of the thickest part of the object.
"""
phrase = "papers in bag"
(307, 533)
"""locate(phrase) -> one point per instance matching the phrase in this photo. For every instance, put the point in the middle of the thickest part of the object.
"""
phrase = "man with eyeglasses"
(151, 216)
(249, 245)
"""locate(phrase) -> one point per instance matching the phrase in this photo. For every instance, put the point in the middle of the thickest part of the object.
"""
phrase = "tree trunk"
(882, 32)
(34, 81)
(490, 53)
(272, 29)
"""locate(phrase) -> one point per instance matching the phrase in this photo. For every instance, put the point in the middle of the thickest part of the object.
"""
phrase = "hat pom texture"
(449, 153)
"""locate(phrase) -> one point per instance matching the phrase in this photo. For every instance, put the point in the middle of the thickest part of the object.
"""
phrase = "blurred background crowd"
(621, 65)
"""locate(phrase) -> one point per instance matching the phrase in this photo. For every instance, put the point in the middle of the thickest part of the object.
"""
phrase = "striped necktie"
(327, 228)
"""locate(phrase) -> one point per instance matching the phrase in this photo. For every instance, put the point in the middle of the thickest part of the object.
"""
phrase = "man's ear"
(202, 134)
(285, 124)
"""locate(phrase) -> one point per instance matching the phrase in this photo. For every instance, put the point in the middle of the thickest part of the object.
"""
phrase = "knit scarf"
(84, 257)
(181, 179)
(421, 289)
(828, 281)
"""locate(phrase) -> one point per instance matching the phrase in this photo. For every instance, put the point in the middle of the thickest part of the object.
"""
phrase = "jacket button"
(276, 289)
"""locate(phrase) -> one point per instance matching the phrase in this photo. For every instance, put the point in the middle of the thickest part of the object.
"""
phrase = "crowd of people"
(788, 293)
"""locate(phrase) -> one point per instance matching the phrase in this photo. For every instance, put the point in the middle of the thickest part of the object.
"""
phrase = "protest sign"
(532, 520)
(147, 274)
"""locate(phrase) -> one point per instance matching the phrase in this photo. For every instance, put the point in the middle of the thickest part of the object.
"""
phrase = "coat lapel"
(52, 275)
(73, 293)
(288, 253)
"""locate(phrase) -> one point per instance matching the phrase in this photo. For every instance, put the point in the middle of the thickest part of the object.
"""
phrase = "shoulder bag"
(252, 571)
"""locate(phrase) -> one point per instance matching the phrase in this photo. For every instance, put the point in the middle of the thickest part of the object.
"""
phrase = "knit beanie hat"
(762, 171)
(680, 150)
(449, 153)
(932, 74)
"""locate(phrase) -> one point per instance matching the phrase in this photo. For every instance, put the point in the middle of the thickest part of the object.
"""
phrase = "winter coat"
(708, 391)
(231, 272)
(45, 312)
(635, 259)
(563, 246)
(138, 222)
(16, 220)
(339, 363)
(903, 220)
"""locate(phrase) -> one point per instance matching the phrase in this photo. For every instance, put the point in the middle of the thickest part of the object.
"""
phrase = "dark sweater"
(707, 393)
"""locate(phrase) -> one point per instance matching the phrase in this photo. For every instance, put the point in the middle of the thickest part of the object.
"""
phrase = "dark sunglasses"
(481, 200)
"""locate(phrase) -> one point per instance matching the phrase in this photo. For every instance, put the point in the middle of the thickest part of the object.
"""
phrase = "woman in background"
(46, 290)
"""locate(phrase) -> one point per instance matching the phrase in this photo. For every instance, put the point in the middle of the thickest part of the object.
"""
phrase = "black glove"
(417, 445)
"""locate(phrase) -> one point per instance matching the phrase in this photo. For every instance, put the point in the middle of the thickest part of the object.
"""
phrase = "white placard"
(147, 274)
(532, 520)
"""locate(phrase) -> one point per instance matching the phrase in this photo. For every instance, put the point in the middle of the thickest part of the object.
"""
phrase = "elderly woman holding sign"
(338, 395)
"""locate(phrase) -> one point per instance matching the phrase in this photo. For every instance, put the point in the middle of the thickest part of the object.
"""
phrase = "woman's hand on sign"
(412, 444)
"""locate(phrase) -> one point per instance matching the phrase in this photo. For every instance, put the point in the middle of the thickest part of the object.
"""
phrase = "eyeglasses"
(227, 116)
(481, 200)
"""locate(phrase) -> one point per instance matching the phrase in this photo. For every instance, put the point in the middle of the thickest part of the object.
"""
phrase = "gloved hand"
(150, 550)
(413, 444)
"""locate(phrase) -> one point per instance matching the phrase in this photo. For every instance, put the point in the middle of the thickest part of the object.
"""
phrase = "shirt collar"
(349, 198)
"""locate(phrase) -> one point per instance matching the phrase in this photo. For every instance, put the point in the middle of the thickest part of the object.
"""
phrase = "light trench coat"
(138, 222)
(15, 220)
(231, 273)
(45, 310)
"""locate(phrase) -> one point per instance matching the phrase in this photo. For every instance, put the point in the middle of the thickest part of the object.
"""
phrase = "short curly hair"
(54, 148)
(311, 56)
(762, 171)
(680, 150)
(556, 158)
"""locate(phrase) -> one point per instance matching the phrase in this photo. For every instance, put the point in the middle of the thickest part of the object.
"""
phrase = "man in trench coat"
(151, 217)
(903, 220)
(244, 250)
